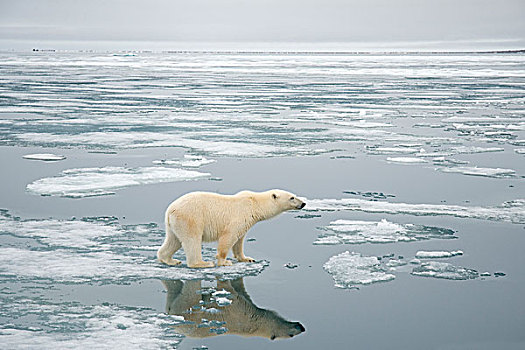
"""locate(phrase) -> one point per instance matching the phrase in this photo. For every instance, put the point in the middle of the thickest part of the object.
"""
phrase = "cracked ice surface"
(351, 269)
(107, 251)
(356, 232)
(511, 211)
(88, 182)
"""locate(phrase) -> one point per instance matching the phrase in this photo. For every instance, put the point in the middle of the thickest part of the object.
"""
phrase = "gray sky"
(263, 20)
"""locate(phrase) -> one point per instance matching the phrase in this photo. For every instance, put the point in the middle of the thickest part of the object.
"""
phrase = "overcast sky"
(263, 20)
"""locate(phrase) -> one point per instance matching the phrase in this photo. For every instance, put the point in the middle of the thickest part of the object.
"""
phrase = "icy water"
(411, 165)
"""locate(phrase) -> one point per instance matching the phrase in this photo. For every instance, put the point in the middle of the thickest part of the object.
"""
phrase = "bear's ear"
(274, 196)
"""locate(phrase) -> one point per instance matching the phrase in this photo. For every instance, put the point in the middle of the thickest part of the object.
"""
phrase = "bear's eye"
(274, 196)
(292, 198)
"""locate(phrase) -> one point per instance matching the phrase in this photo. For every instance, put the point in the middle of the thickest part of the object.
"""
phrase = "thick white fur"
(206, 217)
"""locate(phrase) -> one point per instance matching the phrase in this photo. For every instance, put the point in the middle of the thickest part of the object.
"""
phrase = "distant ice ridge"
(44, 156)
(475, 171)
(69, 325)
(351, 269)
(444, 270)
(189, 161)
(107, 251)
(87, 182)
(356, 232)
(511, 211)
(422, 254)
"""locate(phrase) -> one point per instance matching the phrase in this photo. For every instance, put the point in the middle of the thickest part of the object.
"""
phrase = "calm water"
(397, 156)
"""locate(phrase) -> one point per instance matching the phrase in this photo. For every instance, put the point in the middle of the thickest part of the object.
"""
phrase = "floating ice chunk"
(486, 172)
(520, 150)
(85, 182)
(474, 149)
(44, 156)
(511, 211)
(406, 160)
(392, 150)
(189, 161)
(437, 254)
(221, 293)
(223, 301)
(356, 232)
(448, 161)
(444, 270)
(395, 263)
(351, 269)
(291, 266)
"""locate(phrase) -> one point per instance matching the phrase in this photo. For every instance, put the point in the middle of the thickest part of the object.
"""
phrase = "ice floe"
(406, 160)
(86, 182)
(44, 156)
(435, 254)
(510, 211)
(108, 253)
(189, 161)
(351, 269)
(356, 232)
(475, 171)
(444, 270)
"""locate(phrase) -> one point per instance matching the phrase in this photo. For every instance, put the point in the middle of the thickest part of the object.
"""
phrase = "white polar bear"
(207, 217)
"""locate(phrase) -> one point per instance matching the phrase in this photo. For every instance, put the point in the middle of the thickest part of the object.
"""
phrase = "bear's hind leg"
(193, 248)
(169, 247)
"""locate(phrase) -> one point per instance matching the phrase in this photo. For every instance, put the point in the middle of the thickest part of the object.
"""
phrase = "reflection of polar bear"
(206, 217)
(241, 317)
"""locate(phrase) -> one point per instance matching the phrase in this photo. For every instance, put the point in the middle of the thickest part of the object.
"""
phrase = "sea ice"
(189, 161)
(406, 160)
(351, 269)
(475, 171)
(44, 156)
(107, 251)
(86, 182)
(437, 254)
(444, 270)
(511, 211)
(356, 232)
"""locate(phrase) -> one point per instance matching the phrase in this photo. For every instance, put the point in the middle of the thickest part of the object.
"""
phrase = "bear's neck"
(263, 211)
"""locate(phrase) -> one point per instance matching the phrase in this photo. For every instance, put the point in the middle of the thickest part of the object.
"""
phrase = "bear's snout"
(302, 205)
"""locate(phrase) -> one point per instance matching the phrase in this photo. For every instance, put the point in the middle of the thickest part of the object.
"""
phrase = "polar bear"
(199, 217)
(241, 317)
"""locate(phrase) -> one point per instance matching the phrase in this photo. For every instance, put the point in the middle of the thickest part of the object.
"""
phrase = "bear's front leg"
(225, 244)
(238, 251)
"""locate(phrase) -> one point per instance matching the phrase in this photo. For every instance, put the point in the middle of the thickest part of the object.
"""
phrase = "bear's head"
(285, 200)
